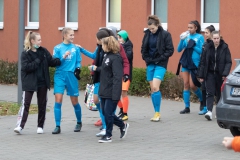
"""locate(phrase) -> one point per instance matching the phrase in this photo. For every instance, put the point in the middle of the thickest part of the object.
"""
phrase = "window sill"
(1, 25)
(73, 28)
(204, 25)
(32, 27)
(117, 25)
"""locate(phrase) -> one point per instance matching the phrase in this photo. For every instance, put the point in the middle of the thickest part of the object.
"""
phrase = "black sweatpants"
(108, 110)
(26, 101)
(204, 93)
(213, 87)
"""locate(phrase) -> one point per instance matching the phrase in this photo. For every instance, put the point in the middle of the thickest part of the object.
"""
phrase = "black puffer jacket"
(164, 50)
(128, 48)
(29, 66)
(223, 60)
(111, 76)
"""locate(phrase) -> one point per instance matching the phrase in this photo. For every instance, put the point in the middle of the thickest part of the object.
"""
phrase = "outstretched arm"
(91, 55)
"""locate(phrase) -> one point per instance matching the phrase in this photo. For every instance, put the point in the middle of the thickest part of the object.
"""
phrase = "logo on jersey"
(73, 50)
(107, 61)
(195, 39)
(69, 57)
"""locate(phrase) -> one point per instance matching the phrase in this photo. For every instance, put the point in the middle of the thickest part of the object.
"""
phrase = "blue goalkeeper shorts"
(65, 80)
(155, 71)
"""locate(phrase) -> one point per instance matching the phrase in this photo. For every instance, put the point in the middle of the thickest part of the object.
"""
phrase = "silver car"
(228, 107)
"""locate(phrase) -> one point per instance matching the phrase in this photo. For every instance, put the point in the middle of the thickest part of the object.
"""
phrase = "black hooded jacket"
(220, 62)
(164, 48)
(29, 68)
(111, 76)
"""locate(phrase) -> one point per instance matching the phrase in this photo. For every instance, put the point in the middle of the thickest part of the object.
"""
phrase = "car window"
(237, 69)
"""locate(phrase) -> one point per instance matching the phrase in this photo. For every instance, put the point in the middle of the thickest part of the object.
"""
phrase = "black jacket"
(111, 77)
(98, 62)
(164, 50)
(206, 43)
(29, 66)
(128, 47)
(203, 48)
(223, 60)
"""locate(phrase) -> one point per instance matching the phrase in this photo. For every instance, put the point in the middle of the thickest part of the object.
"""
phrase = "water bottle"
(184, 35)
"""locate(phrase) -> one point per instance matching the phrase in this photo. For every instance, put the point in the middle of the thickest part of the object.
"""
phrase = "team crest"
(107, 61)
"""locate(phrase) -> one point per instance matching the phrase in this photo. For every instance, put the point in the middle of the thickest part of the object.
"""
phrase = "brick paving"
(180, 137)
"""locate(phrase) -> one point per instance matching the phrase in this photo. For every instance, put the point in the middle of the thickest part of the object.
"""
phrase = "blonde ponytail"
(112, 44)
(27, 42)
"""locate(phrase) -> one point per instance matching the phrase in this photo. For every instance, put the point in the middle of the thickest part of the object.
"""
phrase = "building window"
(114, 13)
(71, 13)
(33, 14)
(1, 14)
(160, 9)
(210, 13)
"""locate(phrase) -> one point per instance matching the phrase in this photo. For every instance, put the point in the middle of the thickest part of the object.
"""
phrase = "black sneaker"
(78, 127)
(105, 139)
(186, 110)
(123, 131)
(57, 130)
(120, 113)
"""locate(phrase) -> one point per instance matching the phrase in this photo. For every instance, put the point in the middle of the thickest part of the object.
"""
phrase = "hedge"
(171, 87)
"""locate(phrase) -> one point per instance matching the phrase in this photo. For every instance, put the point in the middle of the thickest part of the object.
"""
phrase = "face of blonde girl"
(69, 36)
(37, 41)
(207, 34)
(153, 28)
(192, 28)
(104, 47)
(120, 40)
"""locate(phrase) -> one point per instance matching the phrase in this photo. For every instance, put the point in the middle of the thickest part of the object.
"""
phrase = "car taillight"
(223, 84)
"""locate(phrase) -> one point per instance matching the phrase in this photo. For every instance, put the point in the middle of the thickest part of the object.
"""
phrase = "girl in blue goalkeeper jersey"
(194, 29)
(66, 77)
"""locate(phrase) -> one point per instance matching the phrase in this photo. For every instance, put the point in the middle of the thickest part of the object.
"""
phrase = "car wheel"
(235, 131)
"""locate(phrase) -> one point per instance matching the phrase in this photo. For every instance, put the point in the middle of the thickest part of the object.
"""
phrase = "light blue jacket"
(197, 49)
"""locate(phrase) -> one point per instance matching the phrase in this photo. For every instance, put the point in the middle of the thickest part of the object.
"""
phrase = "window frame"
(204, 25)
(2, 23)
(117, 25)
(73, 25)
(31, 25)
(164, 25)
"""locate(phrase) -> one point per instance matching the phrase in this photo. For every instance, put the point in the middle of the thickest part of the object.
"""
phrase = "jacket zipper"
(215, 60)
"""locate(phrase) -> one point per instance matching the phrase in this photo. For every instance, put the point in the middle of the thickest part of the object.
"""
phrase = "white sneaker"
(18, 130)
(39, 130)
(102, 133)
(208, 115)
